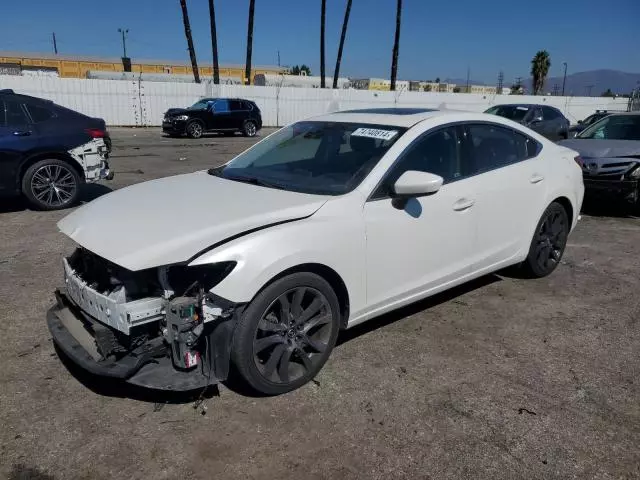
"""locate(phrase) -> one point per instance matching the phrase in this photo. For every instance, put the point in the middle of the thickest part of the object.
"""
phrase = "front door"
(418, 245)
(220, 119)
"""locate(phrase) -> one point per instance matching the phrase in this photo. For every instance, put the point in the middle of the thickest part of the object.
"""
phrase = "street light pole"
(124, 32)
(564, 79)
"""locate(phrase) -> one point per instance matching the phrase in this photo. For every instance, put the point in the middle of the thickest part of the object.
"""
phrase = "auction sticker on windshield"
(374, 133)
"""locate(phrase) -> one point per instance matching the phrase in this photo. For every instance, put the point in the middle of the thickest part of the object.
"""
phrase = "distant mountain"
(593, 82)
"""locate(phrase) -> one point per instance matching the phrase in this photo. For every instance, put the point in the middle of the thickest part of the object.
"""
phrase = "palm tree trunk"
(214, 43)
(396, 47)
(247, 68)
(323, 12)
(187, 32)
(336, 73)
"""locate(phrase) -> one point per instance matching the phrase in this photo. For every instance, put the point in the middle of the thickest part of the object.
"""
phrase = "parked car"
(547, 121)
(574, 130)
(610, 150)
(222, 115)
(48, 151)
(321, 226)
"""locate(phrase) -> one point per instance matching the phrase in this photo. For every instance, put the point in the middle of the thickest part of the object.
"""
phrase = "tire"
(275, 353)
(548, 243)
(51, 184)
(194, 129)
(249, 129)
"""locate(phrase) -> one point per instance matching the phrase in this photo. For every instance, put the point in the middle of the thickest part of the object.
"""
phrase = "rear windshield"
(512, 112)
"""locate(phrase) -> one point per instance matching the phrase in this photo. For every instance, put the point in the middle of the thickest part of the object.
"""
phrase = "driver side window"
(438, 152)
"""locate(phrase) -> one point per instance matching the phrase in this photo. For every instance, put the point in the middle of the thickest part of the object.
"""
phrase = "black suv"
(224, 115)
(547, 121)
(47, 151)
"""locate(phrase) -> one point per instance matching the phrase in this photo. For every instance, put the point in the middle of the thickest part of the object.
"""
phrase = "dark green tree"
(540, 65)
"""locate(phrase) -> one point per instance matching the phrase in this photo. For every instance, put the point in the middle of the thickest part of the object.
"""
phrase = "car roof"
(398, 117)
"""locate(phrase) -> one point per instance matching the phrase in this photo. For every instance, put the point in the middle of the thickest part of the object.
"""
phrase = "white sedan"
(259, 263)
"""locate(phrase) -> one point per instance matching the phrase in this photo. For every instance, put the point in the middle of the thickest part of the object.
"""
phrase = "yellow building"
(78, 66)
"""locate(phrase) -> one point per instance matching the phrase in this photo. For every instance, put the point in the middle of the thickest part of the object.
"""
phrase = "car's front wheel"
(549, 241)
(286, 334)
(194, 129)
(51, 184)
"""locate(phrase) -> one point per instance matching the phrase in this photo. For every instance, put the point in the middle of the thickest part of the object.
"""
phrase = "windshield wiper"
(256, 181)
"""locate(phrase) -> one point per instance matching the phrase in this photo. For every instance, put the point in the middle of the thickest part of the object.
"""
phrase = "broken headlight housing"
(186, 280)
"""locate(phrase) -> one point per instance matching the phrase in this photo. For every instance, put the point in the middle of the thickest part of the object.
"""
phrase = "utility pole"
(396, 47)
(556, 89)
(588, 89)
(564, 79)
(55, 45)
(500, 85)
(124, 32)
(278, 57)
(468, 75)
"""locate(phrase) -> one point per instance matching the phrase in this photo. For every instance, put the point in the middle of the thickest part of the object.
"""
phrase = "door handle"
(536, 178)
(22, 133)
(463, 204)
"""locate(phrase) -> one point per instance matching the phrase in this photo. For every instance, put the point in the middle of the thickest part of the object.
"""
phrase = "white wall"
(132, 103)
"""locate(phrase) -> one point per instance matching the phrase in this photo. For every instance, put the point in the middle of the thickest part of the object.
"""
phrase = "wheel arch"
(568, 207)
(54, 155)
(330, 276)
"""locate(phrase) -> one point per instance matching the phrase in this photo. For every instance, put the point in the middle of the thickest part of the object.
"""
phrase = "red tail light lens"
(579, 161)
(96, 132)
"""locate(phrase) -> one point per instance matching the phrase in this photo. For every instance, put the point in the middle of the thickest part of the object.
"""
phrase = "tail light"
(96, 132)
(579, 161)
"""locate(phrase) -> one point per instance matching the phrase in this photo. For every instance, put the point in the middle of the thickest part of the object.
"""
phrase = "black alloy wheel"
(51, 184)
(286, 334)
(195, 129)
(549, 241)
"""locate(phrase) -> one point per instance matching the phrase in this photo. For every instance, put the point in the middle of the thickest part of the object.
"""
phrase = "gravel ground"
(503, 378)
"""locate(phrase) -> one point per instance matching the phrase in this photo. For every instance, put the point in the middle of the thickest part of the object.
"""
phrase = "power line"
(500, 85)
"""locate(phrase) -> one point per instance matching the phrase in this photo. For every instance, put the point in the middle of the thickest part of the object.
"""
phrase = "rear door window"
(550, 113)
(493, 147)
(15, 114)
(40, 114)
(236, 105)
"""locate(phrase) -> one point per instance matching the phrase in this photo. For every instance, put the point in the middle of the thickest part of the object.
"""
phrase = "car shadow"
(417, 307)
(615, 209)
(113, 387)
(88, 192)
(91, 191)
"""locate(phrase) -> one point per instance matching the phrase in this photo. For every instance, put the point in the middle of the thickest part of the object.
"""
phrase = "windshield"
(614, 127)
(512, 112)
(327, 158)
(201, 104)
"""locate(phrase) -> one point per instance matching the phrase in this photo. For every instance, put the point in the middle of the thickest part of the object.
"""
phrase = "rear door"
(555, 123)
(17, 138)
(239, 113)
(510, 191)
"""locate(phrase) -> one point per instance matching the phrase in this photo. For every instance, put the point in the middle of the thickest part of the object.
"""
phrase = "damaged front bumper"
(148, 363)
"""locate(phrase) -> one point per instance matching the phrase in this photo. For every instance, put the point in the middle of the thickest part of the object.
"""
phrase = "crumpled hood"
(594, 148)
(172, 219)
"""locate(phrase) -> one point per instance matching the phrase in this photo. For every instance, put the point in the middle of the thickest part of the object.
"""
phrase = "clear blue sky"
(439, 38)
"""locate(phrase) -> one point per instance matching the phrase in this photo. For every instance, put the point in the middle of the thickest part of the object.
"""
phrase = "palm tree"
(247, 68)
(336, 73)
(540, 65)
(323, 14)
(396, 47)
(214, 43)
(187, 32)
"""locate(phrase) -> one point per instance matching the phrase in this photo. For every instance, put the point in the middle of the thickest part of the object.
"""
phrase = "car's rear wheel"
(51, 184)
(194, 129)
(286, 334)
(549, 242)
(250, 129)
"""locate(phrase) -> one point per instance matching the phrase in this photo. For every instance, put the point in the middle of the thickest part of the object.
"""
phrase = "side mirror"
(417, 184)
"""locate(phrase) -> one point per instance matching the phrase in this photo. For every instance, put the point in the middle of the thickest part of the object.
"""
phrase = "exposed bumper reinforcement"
(145, 366)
